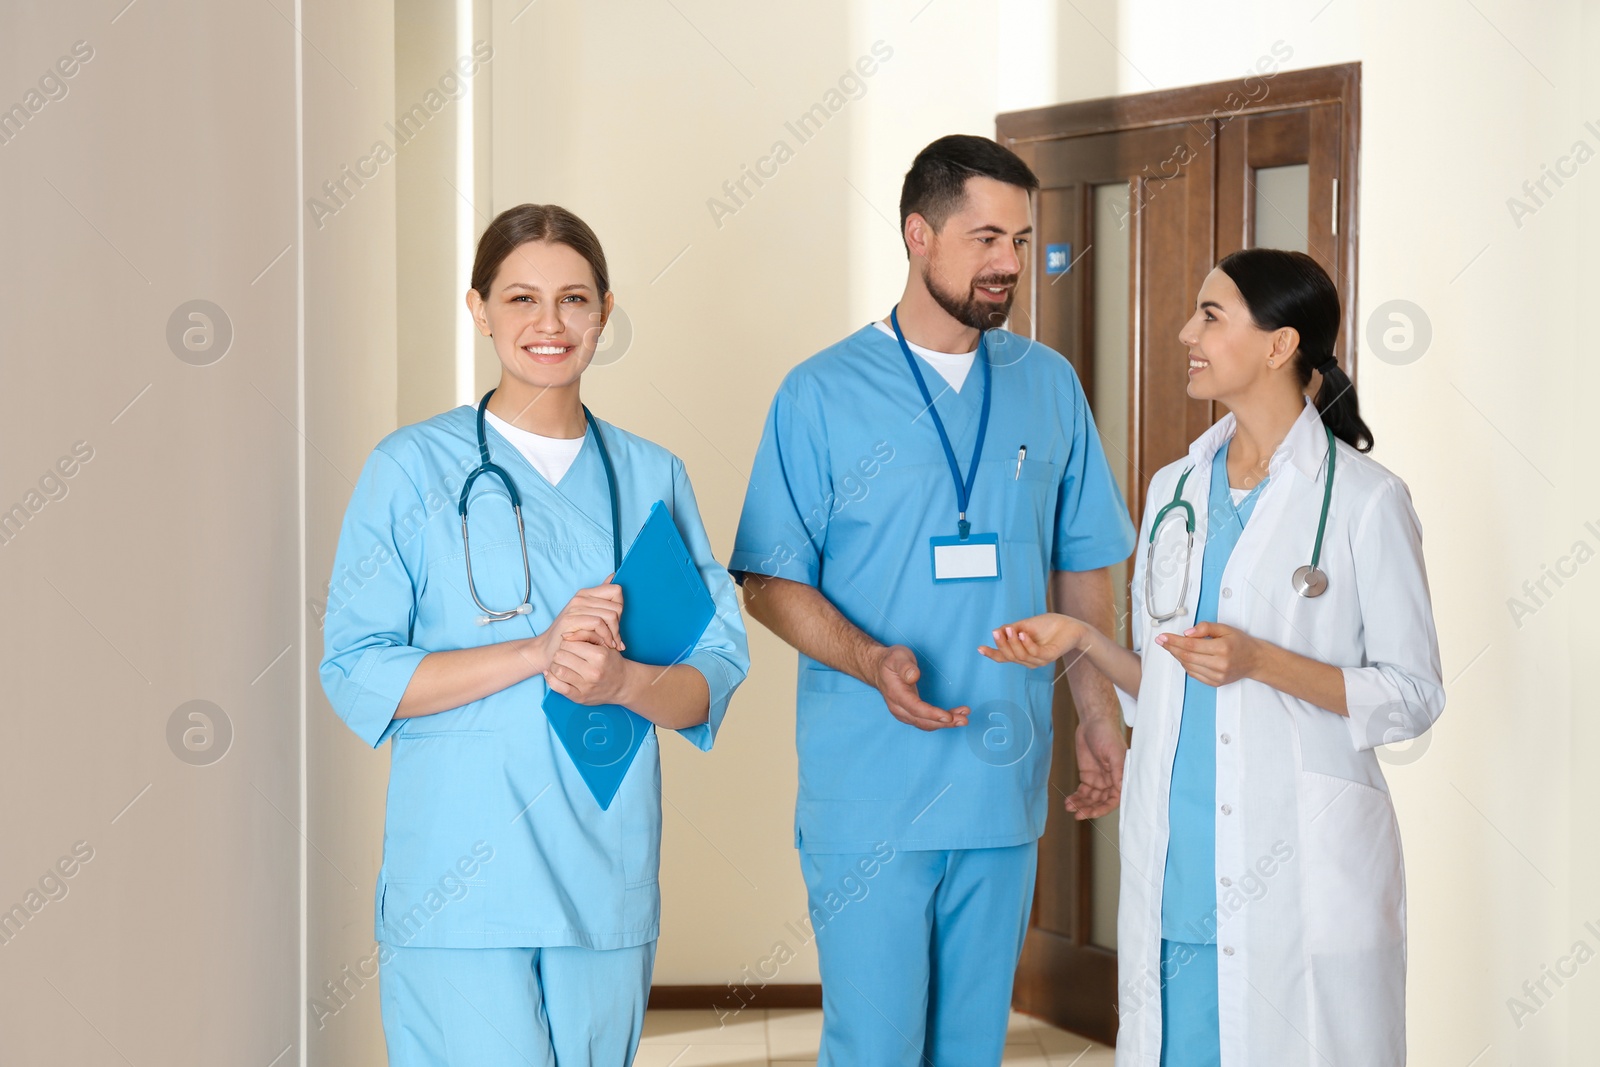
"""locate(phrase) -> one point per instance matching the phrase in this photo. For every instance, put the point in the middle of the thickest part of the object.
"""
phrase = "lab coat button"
(1226, 881)
(1227, 809)
(1227, 950)
(1227, 592)
(1226, 739)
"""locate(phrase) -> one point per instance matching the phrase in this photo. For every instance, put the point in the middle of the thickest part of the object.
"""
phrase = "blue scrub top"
(491, 838)
(1189, 891)
(849, 483)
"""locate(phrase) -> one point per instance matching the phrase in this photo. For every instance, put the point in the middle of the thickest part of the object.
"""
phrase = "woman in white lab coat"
(1262, 912)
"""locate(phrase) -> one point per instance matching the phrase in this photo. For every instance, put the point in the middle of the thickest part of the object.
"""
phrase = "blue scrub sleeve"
(367, 660)
(722, 654)
(1398, 691)
(1093, 529)
(786, 509)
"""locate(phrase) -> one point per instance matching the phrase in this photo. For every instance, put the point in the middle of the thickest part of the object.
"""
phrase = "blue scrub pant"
(917, 960)
(1191, 1035)
(514, 1007)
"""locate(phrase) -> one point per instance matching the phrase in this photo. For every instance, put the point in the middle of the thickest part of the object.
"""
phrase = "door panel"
(1281, 206)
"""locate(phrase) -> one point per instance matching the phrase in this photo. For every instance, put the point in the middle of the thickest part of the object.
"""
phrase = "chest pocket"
(1030, 498)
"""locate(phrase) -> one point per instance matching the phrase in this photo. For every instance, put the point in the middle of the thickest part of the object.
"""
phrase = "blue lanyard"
(963, 487)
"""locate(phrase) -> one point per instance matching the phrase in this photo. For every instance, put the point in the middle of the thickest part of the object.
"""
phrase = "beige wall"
(166, 573)
(175, 566)
(1570, 728)
(425, 235)
(351, 394)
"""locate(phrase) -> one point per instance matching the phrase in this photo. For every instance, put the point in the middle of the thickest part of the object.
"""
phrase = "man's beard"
(968, 308)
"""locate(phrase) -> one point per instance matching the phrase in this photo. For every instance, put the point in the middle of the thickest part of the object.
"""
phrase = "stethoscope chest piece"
(1310, 581)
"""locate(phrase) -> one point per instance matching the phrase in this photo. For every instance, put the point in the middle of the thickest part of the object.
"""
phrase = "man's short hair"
(935, 186)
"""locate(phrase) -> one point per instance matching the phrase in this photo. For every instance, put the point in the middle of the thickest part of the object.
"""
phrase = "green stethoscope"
(1309, 580)
(489, 467)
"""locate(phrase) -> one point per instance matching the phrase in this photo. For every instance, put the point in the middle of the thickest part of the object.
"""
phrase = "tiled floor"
(788, 1038)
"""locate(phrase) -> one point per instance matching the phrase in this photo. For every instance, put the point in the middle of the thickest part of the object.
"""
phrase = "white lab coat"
(1311, 887)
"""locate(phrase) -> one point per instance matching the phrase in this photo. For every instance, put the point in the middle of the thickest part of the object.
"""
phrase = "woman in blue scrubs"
(1282, 630)
(517, 917)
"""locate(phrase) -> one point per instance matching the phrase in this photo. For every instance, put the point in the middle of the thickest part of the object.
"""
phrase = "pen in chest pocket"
(1022, 453)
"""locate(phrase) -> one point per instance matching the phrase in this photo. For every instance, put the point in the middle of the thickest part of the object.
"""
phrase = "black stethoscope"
(1309, 580)
(487, 466)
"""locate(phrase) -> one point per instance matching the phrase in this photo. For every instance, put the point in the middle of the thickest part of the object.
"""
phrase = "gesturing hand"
(895, 674)
(1037, 641)
(1101, 748)
(1213, 653)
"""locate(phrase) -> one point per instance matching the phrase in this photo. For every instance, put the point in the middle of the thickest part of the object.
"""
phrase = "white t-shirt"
(550, 456)
(952, 366)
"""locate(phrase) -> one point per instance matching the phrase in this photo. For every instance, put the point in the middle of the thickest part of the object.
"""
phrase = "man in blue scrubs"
(919, 483)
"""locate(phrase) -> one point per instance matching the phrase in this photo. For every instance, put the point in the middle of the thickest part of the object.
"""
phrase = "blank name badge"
(975, 558)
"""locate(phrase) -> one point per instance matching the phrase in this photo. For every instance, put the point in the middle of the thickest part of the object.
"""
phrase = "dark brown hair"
(1283, 288)
(936, 185)
(515, 227)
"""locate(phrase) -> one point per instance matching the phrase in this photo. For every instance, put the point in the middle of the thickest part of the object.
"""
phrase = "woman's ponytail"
(1282, 288)
(1340, 408)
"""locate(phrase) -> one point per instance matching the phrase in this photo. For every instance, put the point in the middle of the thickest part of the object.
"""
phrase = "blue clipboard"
(665, 609)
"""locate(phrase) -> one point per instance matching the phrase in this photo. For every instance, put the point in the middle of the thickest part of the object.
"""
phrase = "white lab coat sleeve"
(367, 657)
(1138, 621)
(722, 654)
(1398, 691)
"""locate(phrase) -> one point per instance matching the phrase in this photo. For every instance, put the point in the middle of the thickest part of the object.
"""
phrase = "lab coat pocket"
(1354, 884)
(1325, 749)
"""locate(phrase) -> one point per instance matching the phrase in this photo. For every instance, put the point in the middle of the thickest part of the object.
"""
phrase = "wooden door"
(1140, 197)
(1286, 179)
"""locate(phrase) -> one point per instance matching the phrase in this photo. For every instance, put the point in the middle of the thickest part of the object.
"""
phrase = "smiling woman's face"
(544, 314)
(1228, 352)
